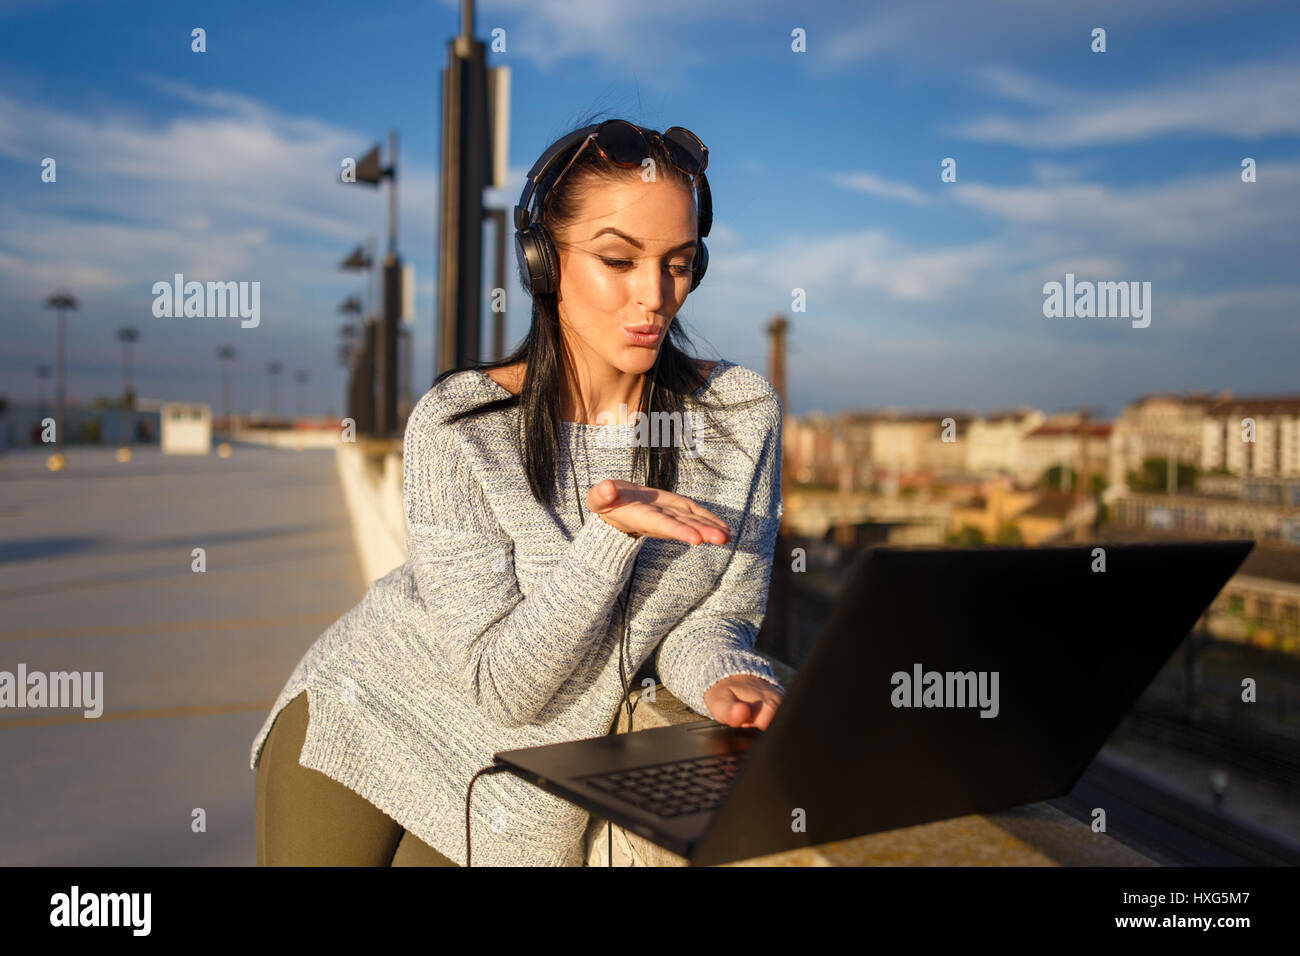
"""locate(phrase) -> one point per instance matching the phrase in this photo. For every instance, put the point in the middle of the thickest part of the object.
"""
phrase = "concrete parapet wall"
(374, 501)
(295, 439)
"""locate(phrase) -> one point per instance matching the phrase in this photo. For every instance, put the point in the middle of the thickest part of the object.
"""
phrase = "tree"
(1050, 479)
(967, 536)
(1153, 476)
(1009, 534)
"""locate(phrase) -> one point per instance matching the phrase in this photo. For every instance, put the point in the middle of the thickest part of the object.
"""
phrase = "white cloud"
(1246, 305)
(1048, 172)
(230, 187)
(959, 34)
(1019, 87)
(1184, 213)
(877, 186)
(1246, 101)
(659, 38)
(843, 265)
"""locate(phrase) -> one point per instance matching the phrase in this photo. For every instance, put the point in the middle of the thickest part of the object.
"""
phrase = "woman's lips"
(642, 335)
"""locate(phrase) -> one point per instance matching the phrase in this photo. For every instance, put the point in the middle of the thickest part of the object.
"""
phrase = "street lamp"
(361, 259)
(371, 172)
(226, 355)
(359, 400)
(300, 377)
(42, 373)
(61, 301)
(126, 335)
(274, 368)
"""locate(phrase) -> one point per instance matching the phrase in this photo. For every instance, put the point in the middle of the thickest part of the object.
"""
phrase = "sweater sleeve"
(510, 654)
(716, 638)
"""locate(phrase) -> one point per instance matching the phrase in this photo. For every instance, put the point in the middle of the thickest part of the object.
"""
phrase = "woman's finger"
(688, 528)
(703, 523)
(701, 512)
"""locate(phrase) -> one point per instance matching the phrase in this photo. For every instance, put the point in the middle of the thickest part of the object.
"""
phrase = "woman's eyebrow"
(624, 236)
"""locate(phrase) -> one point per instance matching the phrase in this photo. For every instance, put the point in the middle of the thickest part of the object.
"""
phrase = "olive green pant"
(304, 818)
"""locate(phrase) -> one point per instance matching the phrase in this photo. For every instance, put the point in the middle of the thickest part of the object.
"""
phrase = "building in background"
(186, 428)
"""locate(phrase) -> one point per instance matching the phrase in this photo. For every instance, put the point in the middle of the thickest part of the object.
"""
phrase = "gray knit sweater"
(501, 630)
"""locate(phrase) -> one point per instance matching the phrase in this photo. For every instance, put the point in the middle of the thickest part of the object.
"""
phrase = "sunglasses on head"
(627, 145)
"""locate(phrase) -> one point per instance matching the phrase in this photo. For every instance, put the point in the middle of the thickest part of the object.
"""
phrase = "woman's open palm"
(655, 513)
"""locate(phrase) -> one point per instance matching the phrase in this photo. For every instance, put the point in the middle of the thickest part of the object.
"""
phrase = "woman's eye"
(621, 264)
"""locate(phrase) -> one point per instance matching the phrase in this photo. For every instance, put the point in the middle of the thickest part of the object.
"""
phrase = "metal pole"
(366, 381)
(372, 265)
(60, 382)
(392, 192)
(465, 173)
(126, 391)
(779, 620)
(499, 284)
(386, 359)
(225, 392)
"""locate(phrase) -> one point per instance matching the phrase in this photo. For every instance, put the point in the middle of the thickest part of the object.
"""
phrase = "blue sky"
(824, 165)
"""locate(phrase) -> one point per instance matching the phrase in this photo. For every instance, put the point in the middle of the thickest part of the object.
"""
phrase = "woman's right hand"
(655, 513)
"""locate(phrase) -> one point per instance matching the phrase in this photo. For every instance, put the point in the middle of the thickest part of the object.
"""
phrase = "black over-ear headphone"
(539, 271)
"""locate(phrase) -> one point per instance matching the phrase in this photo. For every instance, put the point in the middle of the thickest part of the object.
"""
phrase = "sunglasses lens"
(622, 143)
(686, 150)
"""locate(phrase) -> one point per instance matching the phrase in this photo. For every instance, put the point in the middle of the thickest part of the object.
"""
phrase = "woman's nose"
(650, 281)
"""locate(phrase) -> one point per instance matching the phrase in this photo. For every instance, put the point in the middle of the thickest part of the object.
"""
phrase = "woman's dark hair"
(676, 374)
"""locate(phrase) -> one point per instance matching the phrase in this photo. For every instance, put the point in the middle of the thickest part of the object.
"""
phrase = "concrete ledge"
(1036, 834)
(294, 439)
(373, 493)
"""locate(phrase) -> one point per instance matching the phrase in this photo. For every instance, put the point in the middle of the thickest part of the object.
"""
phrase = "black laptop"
(947, 681)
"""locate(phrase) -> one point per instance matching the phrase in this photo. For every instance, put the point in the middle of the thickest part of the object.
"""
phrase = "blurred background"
(191, 495)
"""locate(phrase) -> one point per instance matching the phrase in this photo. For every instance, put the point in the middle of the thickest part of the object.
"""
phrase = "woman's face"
(611, 282)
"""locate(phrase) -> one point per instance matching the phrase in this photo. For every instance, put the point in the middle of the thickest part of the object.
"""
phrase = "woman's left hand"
(743, 700)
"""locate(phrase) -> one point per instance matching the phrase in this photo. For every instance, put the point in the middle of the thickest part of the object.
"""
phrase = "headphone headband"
(538, 172)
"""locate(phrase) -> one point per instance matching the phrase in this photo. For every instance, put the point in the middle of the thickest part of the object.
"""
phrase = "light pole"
(274, 368)
(61, 302)
(126, 335)
(226, 355)
(360, 386)
(300, 377)
(371, 172)
(42, 373)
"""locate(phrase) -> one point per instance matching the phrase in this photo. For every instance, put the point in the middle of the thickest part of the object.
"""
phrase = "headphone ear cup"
(701, 265)
(524, 259)
(535, 254)
(547, 278)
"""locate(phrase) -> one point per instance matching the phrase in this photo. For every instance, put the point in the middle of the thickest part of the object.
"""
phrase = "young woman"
(552, 537)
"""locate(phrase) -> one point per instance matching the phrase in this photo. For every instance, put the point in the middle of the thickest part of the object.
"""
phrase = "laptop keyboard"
(674, 789)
